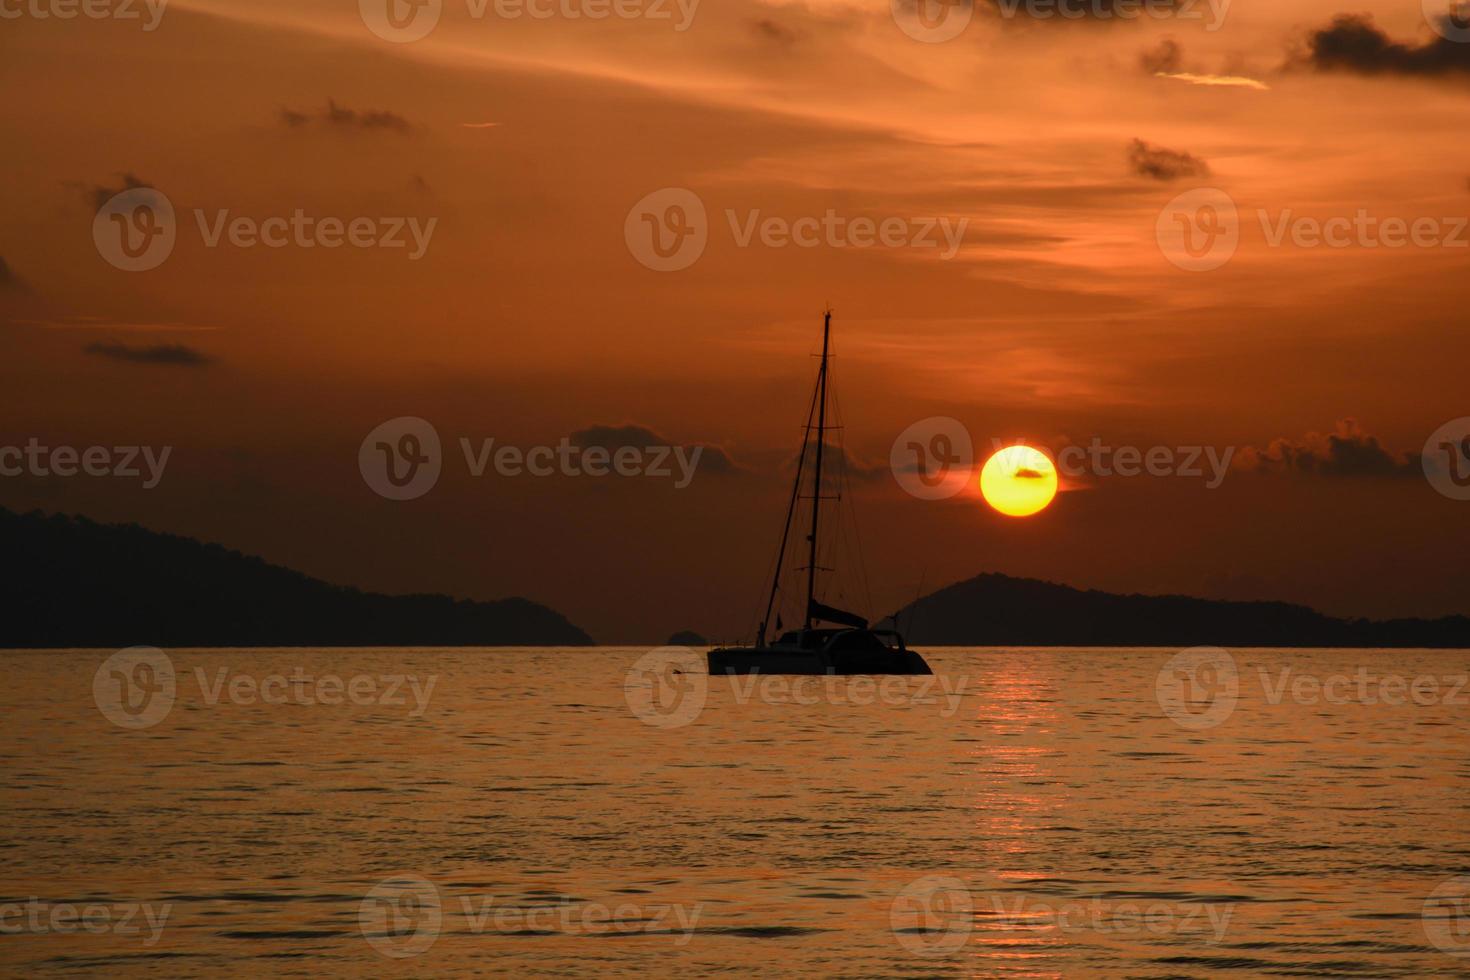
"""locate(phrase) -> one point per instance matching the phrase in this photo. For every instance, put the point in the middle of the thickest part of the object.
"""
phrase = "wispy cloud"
(99, 194)
(713, 459)
(1166, 60)
(1230, 81)
(103, 323)
(174, 355)
(8, 278)
(341, 117)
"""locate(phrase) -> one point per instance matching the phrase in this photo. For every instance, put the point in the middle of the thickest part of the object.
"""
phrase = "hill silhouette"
(70, 582)
(998, 610)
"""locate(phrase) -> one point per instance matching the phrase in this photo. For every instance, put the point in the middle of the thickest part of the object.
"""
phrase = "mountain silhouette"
(70, 582)
(998, 610)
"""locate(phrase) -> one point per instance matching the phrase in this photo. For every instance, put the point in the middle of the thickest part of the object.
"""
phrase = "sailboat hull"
(767, 660)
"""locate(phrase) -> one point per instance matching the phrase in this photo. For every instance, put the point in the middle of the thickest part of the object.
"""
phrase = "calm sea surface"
(1033, 813)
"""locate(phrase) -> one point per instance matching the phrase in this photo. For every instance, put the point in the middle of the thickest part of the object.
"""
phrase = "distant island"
(70, 582)
(998, 610)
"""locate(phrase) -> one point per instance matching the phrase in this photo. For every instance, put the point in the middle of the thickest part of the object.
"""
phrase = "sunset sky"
(528, 318)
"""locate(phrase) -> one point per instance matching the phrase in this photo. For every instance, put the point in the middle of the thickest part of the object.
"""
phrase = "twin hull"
(752, 660)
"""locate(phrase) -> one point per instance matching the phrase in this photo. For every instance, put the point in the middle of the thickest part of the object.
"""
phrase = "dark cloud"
(1164, 164)
(1166, 56)
(99, 194)
(1347, 452)
(1077, 11)
(366, 119)
(837, 460)
(1353, 43)
(176, 355)
(1025, 473)
(712, 459)
(8, 278)
(768, 30)
(342, 117)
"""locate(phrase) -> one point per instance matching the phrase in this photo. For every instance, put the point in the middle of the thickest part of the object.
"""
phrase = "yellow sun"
(1019, 481)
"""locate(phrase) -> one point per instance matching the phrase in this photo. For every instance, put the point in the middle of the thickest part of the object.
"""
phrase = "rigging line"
(837, 549)
(846, 492)
(786, 528)
(913, 609)
(862, 564)
(822, 376)
(844, 506)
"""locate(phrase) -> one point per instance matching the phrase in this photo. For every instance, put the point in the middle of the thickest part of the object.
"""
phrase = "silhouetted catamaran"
(850, 647)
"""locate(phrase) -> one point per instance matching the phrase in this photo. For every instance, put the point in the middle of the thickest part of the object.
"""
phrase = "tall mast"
(811, 565)
(786, 529)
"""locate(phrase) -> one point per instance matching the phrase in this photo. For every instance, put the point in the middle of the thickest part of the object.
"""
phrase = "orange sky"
(1058, 320)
